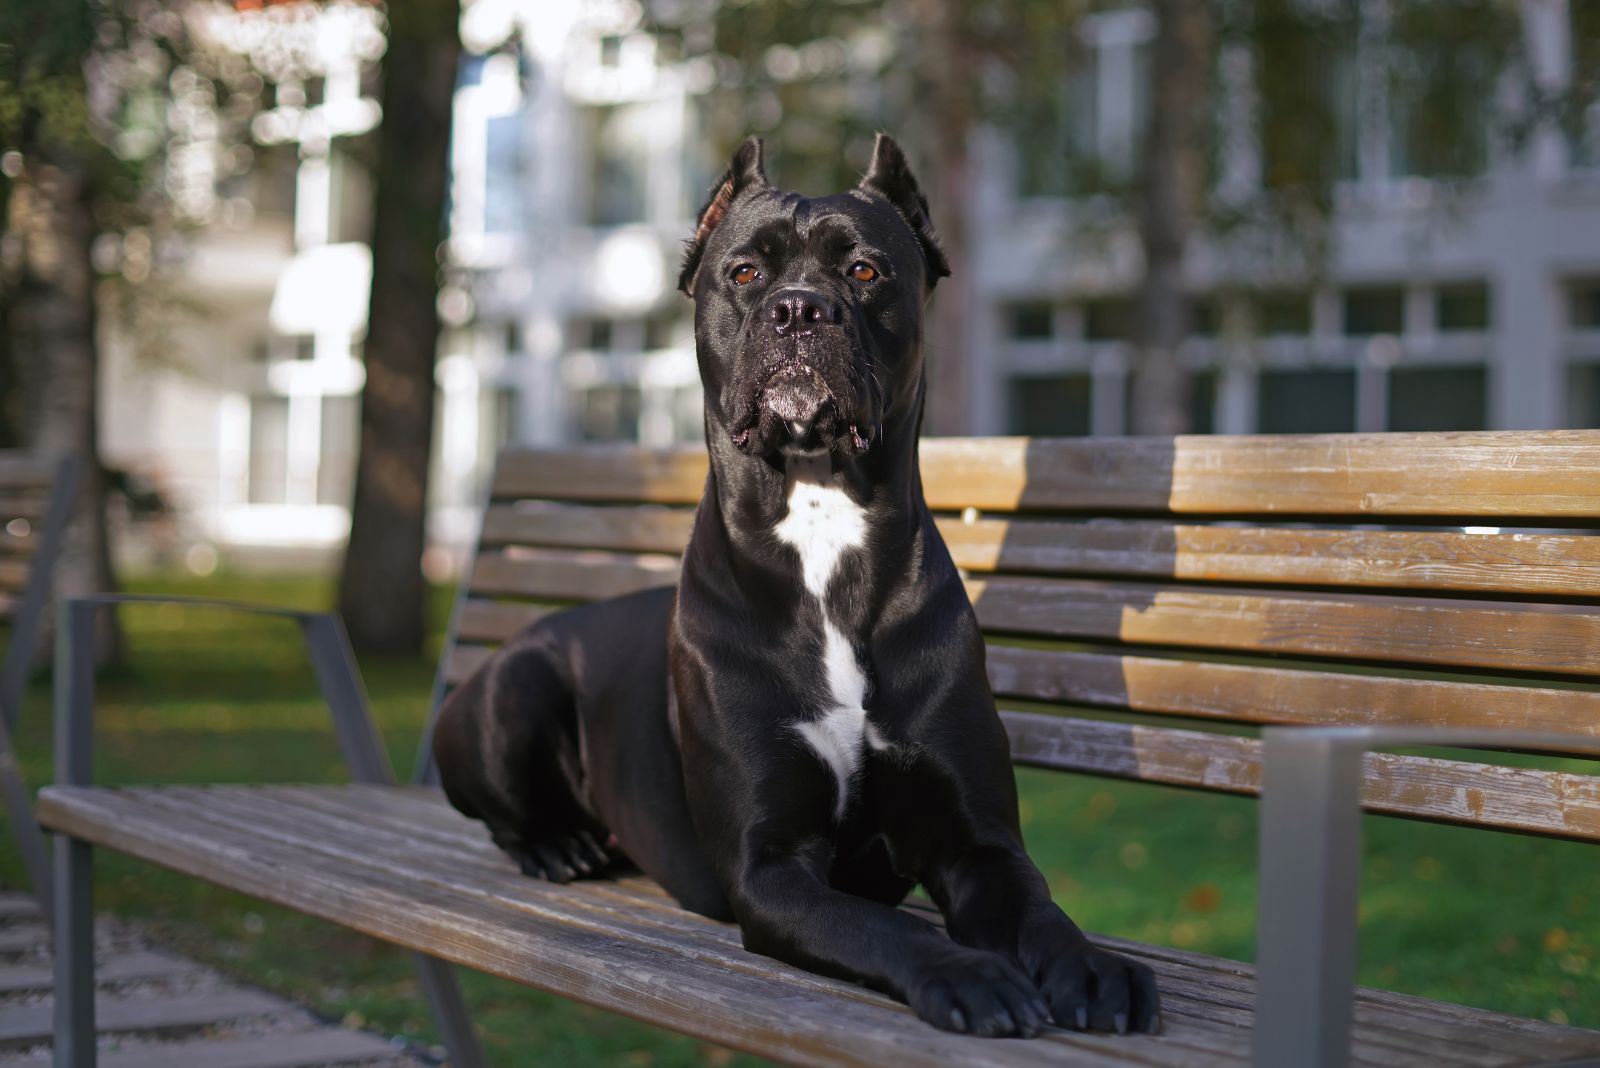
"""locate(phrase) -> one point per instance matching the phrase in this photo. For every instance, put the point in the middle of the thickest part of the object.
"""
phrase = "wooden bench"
(1348, 585)
(36, 499)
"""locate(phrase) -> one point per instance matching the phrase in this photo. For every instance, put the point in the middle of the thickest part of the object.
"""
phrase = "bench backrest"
(1135, 588)
(36, 497)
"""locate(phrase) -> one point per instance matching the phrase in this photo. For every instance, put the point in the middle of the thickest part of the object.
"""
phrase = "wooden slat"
(1285, 695)
(645, 529)
(1566, 565)
(765, 1007)
(1550, 564)
(1540, 474)
(397, 863)
(1543, 474)
(464, 660)
(20, 470)
(493, 622)
(25, 1024)
(562, 575)
(1507, 637)
(1552, 803)
(13, 573)
(29, 506)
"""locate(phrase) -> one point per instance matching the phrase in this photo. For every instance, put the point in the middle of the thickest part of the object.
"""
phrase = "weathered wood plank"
(763, 1013)
(1542, 564)
(26, 506)
(495, 621)
(565, 575)
(1551, 564)
(1501, 636)
(13, 573)
(1558, 804)
(22, 470)
(639, 528)
(1281, 695)
(1206, 1023)
(1544, 474)
(25, 1024)
(464, 660)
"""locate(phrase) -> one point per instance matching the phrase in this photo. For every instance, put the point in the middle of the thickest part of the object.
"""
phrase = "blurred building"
(579, 158)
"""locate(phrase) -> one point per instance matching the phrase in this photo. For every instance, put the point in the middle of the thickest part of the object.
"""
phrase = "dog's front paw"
(980, 993)
(1090, 989)
(562, 858)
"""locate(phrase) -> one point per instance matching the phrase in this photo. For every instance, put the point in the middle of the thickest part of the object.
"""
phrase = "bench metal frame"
(1309, 871)
(340, 683)
(23, 643)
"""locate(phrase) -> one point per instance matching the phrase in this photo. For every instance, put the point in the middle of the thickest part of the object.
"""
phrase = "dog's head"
(808, 311)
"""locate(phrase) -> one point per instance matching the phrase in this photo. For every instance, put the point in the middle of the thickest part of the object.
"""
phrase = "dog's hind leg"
(509, 754)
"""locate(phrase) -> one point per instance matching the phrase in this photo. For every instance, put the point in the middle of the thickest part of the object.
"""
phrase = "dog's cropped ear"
(747, 171)
(890, 176)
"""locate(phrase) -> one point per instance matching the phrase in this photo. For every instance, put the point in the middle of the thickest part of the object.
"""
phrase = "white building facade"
(579, 159)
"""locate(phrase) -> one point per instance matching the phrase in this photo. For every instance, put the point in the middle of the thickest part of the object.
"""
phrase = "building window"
(668, 330)
(502, 174)
(1107, 320)
(1462, 308)
(1583, 396)
(269, 450)
(1583, 304)
(1204, 317)
(1306, 402)
(1033, 321)
(336, 461)
(1283, 314)
(1437, 398)
(609, 413)
(1057, 406)
(618, 139)
(1374, 310)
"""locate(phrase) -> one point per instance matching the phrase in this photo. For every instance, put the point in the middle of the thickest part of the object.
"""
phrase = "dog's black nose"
(794, 311)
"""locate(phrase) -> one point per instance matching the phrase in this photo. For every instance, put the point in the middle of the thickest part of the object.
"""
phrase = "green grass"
(1494, 920)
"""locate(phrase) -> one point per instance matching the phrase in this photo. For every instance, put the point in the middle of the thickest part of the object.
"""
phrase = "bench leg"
(74, 954)
(442, 986)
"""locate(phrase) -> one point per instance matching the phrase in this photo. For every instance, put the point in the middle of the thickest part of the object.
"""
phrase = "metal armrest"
(332, 659)
(1310, 863)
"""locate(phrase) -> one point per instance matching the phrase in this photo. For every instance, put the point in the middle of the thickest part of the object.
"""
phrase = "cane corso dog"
(802, 730)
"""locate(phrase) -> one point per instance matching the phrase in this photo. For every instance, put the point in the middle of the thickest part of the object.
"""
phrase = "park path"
(158, 1010)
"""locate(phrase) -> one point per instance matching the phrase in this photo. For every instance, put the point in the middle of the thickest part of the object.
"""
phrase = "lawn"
(1499, 921)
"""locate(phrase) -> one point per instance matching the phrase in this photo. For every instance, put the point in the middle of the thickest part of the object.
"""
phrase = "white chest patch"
(821, 524)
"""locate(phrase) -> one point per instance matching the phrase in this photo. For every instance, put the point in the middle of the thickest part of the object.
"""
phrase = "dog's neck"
(881, 488)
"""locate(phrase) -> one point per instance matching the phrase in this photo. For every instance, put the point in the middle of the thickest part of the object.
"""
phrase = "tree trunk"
(381, 590)
(1172, 191)
(947, 72)
(53, 337)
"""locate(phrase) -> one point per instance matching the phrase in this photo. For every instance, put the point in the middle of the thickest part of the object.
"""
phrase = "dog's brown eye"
(862, 271)
(743, 274)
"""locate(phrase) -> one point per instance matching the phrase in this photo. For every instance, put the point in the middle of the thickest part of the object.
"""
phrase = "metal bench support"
(340, 682)
(25, 628)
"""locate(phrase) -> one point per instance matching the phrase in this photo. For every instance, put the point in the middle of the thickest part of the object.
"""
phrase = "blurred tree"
(1171, 197)
(381, 588)
(99, 102)
(53, 165)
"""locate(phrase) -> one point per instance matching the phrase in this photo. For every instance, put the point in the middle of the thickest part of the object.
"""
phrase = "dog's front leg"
(994, 898)
(788, 911)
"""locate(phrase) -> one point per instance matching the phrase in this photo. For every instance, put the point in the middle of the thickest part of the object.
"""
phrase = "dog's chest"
(821, 525)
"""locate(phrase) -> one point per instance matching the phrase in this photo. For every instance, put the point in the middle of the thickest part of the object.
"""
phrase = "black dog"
(803, 730)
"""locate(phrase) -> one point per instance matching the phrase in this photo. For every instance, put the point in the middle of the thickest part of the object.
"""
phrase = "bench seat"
(399, 864)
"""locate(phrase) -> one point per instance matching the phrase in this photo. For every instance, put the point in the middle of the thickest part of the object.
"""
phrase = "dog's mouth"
(796, 410)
